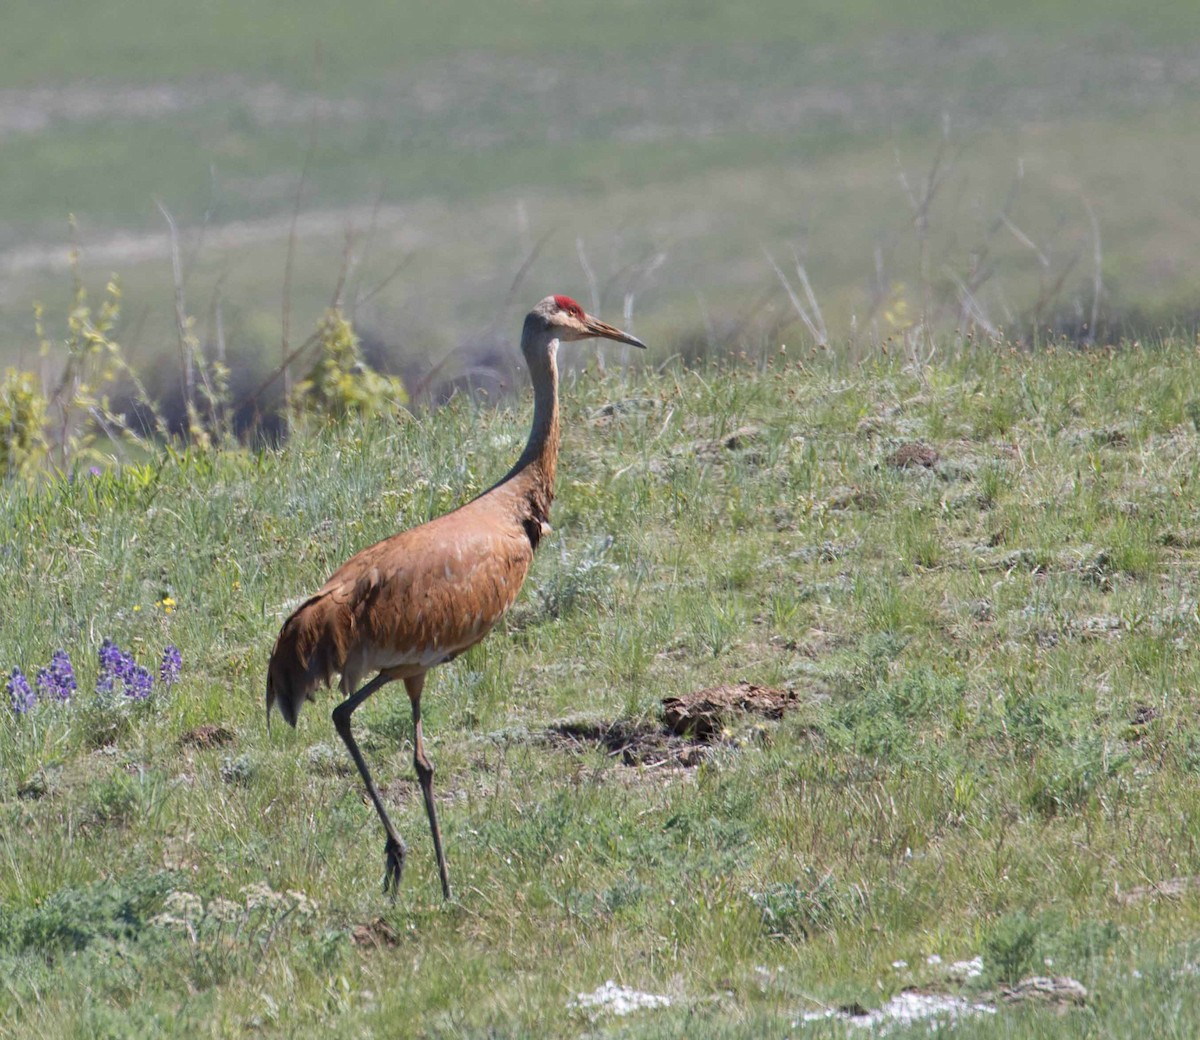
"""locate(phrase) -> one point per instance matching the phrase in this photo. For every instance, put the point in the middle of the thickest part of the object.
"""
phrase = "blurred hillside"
(645, 157)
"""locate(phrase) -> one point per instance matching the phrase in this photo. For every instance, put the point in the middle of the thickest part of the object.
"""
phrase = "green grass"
(994, 741)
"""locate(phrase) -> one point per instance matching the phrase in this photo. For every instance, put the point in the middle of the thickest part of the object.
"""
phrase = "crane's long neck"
(532, 478)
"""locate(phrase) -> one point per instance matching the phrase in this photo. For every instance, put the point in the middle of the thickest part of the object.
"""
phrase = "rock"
(1062, 991)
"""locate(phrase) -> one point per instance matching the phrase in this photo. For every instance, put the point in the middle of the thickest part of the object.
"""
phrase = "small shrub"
(23, 441)
(1066, 779)
(116, 801)
(72, 919)
(1011, 948)
(238, 771)
(799, 908)
(581, 580)
(341, 385)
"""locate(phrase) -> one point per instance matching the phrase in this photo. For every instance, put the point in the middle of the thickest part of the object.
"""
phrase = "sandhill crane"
(420, 598)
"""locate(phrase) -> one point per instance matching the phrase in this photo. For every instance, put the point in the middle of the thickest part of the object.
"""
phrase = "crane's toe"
(394, 853)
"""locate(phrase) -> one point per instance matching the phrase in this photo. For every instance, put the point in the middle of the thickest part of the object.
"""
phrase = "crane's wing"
(405, 604)
(430, 593)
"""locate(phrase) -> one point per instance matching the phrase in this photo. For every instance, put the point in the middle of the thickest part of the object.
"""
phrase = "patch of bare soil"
(209, 735)
(636, 743)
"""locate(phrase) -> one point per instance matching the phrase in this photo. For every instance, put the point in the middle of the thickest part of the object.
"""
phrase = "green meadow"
(976, 577)
(957, 547)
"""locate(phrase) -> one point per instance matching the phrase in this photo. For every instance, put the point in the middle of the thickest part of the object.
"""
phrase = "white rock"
(611, 999)
(902, 1010)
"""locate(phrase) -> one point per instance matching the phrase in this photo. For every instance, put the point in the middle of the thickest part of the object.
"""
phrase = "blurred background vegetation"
(931, 166)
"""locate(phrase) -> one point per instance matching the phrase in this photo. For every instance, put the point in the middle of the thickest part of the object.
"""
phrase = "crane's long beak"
(595, 327)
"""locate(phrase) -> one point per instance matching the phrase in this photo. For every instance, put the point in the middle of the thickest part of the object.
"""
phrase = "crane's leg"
(424, 770)
(394, 850)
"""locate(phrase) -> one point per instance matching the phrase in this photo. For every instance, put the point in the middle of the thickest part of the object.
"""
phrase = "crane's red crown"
(570, 306)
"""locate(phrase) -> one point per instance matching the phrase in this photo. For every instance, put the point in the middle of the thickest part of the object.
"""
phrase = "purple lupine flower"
(20, 694)
(110, 664)
(57, 681)
(138, 680)
(172, 663)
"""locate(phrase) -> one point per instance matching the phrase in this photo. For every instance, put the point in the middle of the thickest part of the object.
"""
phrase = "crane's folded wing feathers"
(404, 604)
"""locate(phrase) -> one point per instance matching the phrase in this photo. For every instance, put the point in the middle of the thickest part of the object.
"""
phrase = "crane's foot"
(394, 853)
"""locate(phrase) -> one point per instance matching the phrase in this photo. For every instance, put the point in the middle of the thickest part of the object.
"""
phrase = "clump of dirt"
(705, 714)
(692, 725)
(913, 455)
(209, 735)
(375, 935)
(1143, 715)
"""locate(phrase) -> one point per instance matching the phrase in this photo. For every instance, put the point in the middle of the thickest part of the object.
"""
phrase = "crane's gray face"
(567, 321)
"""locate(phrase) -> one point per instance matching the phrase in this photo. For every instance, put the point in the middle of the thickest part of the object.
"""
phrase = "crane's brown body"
(412, 601)
(420, 598)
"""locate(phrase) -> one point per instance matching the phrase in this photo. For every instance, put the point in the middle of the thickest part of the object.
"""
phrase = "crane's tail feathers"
(307, 654)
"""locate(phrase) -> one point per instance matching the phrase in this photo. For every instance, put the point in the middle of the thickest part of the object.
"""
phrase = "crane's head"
(563, 319)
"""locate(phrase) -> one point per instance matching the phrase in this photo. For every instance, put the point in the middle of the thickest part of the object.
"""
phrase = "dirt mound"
(209, 735)
(913, 455)
(375, 935)
(692, 725)
(704, 715)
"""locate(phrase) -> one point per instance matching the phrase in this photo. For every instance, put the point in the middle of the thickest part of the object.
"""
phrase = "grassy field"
(992, 751)
(670, 146)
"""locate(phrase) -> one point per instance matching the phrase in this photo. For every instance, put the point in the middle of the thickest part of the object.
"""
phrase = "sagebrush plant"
(340, 384)
(64, 419)
(89, 362)
(991, 751)
(24, 441)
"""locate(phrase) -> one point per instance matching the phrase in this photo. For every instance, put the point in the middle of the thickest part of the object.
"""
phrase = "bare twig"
(971, 306)
(523, 270)
(1026, 241)
(593, 290)
(291, 356)
(384, 282)
(921, 203)
(802, 274)
(1098, 272)
(368, 244)
(291, 246)
(187, 360)
(590, 275)
(817, 333)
